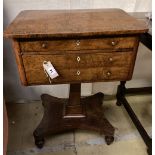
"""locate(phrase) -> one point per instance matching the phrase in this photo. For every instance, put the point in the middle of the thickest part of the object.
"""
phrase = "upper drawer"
(75, 44)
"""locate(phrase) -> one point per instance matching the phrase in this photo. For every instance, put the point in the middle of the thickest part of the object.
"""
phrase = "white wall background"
(13, 90)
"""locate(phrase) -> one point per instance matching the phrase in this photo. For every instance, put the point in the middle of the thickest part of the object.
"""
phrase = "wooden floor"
(23, 119)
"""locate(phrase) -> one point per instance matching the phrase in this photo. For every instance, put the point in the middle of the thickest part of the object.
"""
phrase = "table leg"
(122, 100)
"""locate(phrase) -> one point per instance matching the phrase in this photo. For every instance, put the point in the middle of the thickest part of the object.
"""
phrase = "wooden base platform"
(61, 115)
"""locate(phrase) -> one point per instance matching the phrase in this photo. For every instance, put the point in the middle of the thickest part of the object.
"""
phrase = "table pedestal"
(74, 113)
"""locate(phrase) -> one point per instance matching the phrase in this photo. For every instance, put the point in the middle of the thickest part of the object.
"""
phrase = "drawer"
(67, 61)
(112, 43)
(79, 75)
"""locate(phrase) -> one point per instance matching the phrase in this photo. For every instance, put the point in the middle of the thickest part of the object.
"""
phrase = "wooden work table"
(83, 46)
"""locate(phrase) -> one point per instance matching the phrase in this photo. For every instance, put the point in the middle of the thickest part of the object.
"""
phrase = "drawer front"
(79, 75)
(68, 61)
(91, 67)
(81, 44)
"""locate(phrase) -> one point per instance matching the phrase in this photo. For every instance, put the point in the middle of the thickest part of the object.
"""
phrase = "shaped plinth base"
(55, 120)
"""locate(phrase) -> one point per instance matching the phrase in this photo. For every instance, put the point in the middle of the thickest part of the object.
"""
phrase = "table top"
(145, 38)
(70, 23)
(144, 16)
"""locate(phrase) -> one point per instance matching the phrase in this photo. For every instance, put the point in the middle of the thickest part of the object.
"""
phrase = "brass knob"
(78, 72)
(44, 45)
(78, 59)
(113, 43)
(108, 73)
(78, 42)
(110, 59)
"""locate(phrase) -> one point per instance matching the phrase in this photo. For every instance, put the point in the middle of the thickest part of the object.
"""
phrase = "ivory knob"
(44, 45)
(78, 72)
(110, 59)
(108, 73)
(113, 43)
(78, 42)
(78, 59)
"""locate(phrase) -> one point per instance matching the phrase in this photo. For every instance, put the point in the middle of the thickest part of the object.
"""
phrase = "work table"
(83, 46)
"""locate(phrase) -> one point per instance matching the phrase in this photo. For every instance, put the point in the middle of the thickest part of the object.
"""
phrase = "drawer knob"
(108, 73)
(78, 59)
(110, 59)
(113, 43)
(44, 45)
(78, 42)
(78, 72)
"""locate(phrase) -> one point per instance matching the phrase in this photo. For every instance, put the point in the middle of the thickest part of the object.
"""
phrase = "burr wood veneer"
(83, 46)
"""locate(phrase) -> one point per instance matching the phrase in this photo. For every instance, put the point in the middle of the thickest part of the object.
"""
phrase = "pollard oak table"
(83, 46)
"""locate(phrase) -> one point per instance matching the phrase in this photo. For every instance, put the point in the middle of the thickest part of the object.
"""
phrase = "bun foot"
(118, 103)
(39, 140)
(109, 139)
(39, 143)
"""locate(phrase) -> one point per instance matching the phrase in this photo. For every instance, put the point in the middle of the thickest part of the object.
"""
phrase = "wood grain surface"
(69, 23)
(86, 75)
(92, 67)
(47, 45)
(53, 121)
(68, 61)
(83, 45)
(19, 61)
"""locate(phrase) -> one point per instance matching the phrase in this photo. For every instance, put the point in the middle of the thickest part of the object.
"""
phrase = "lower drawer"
(79, 75)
